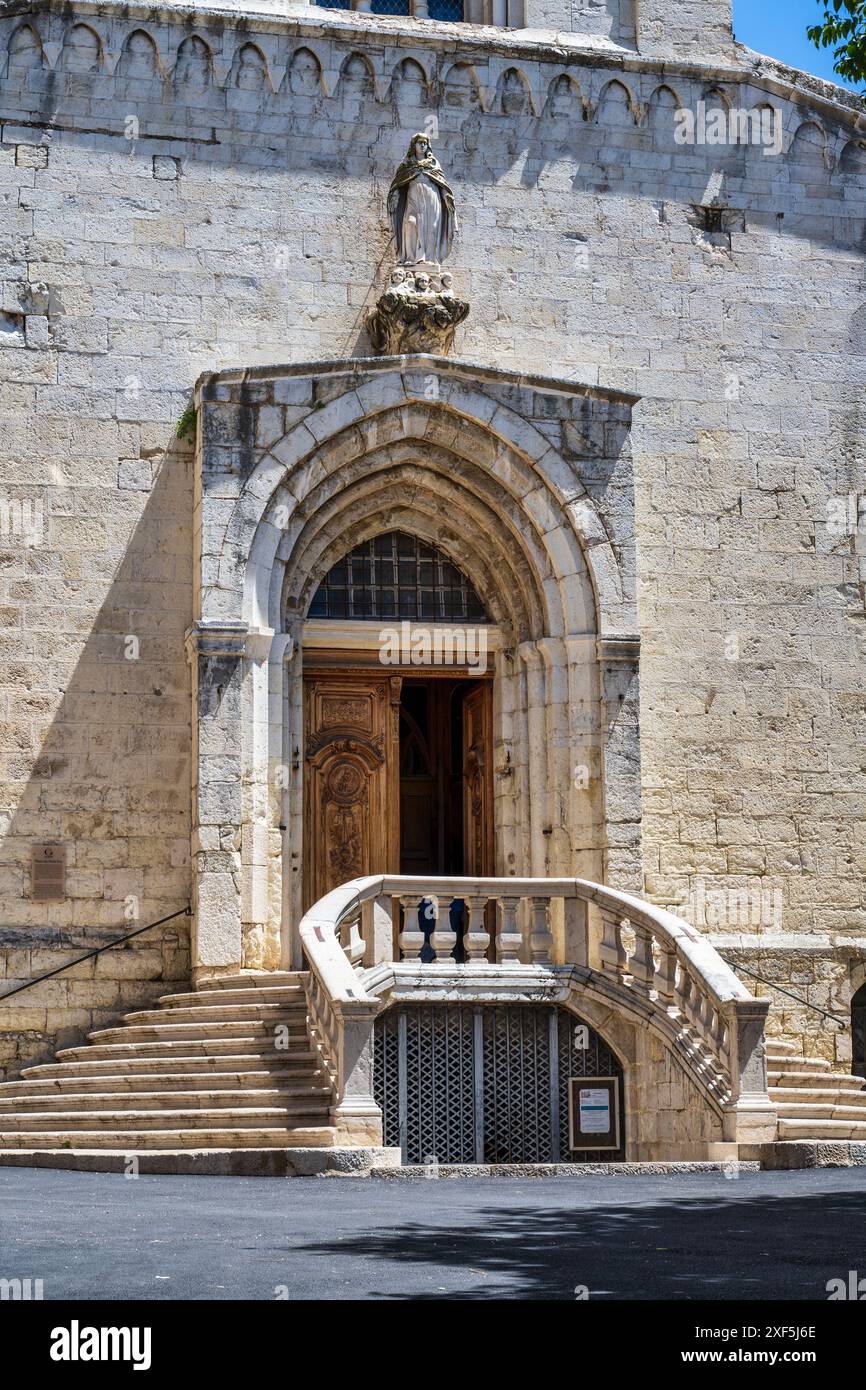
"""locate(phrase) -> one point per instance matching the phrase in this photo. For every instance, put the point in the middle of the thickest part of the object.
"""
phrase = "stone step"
(82, 1082)
(797, 1079)
(815, 1095)
(199, 1032)
(129, 1141)
(194, 1047)
(792, 1064)
(113, 1121)
(88, 1102)
(294, 1161)
(822, 1129)
(259, 995)
(264, 1012)
(775, 1047)
(171, 1063)
(258, 979)
(820, 1110)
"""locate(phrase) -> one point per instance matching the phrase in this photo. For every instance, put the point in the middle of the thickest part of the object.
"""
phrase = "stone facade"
(187, 193)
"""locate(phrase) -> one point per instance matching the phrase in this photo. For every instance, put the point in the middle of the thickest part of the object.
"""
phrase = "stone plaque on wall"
(48, 873)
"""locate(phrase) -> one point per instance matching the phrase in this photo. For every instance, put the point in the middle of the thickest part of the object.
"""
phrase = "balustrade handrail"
(690, 991)
(319, 927)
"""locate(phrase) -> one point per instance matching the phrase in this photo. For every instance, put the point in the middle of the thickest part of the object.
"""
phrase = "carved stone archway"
(526, 484)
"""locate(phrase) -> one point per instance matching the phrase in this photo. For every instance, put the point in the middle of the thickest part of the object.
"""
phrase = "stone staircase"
(229, 1074)
(813, 1101)
(225, 1068)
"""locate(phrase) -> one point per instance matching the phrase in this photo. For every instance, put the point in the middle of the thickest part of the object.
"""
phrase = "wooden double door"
(397, 776)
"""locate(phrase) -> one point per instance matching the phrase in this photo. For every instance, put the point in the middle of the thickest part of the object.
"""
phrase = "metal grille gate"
(484, 1083)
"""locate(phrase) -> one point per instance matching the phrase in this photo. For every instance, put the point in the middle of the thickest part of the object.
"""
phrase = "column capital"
(236, 639)
(215, 639)
(621, 647)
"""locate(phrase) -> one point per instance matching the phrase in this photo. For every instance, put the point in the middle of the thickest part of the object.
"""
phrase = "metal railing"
(837, 1018)
(97, 951)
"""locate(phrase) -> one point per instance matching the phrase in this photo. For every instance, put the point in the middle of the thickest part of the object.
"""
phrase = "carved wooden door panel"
(351, 786)
(477, 780)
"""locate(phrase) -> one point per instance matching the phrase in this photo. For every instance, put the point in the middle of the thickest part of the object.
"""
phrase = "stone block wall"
(666, 1113)
(180, 197)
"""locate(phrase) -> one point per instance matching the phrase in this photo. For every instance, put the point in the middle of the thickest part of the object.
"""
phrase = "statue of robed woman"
(421, 207)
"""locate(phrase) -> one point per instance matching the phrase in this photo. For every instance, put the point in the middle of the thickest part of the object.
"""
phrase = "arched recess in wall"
(25, 51)
(82, 50)
(249, 71)
(139, 58)
(304, 74)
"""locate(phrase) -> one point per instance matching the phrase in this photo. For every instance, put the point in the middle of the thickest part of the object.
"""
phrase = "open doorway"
(445, 793)
(397, 775)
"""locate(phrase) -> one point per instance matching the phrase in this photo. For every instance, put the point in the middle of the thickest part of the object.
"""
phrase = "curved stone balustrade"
(549, 936)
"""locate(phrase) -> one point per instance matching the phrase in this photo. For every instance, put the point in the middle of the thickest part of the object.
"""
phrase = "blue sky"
(778, 28)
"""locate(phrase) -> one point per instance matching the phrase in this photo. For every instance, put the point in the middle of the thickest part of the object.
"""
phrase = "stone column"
(264, 780)
(618, 657)
(586, 789)
(536, 758)
(557, 744)
(215, 651)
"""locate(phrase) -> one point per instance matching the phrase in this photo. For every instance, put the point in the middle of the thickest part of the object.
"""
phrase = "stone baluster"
(443, 938)
(611, 949)
(509, 940)
(411, 936)
(702, 1016)
(351, 939)
(642, 964)
(666, 976)
(686, 1002)
(723, 1040)
(540, 936)
(476, 939)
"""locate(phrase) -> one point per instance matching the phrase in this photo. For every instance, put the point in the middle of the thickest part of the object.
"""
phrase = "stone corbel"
(620, 648)
(237, 640)
(216, 639)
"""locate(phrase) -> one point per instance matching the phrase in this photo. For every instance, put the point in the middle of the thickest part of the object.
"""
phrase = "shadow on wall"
(98, 744)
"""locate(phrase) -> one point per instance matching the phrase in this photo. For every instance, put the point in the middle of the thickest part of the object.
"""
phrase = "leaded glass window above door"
(396, 576)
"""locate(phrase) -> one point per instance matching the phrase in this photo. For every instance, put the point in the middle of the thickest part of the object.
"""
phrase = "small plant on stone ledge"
(186, 425)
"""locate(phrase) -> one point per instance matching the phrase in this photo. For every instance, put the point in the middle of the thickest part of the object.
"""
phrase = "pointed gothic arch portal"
(353, 513)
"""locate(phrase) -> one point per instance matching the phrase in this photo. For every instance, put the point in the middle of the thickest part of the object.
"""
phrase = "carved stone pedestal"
(417, 313)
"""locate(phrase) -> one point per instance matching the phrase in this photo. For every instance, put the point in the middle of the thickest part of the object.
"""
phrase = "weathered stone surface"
(415, 320)
(238, 222)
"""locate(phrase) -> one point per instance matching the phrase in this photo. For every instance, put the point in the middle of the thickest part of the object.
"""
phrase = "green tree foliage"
(844, 29)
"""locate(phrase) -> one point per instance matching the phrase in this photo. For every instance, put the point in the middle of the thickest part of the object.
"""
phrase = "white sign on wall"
(594, 1111)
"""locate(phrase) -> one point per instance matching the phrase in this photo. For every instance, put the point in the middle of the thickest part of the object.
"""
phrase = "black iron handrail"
(837, 1018)
(97, 951)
